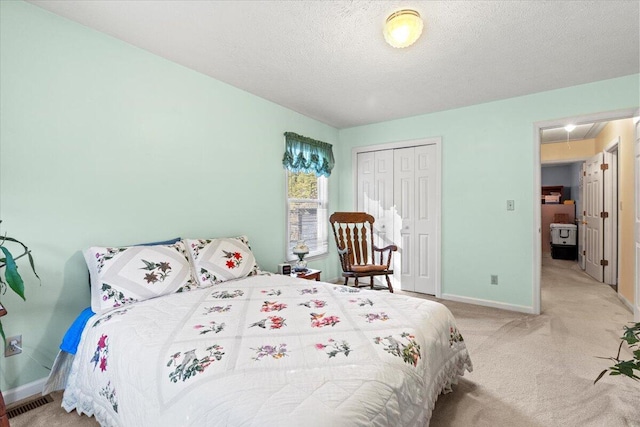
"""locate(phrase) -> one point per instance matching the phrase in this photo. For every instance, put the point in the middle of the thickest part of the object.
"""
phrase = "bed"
(265, 350)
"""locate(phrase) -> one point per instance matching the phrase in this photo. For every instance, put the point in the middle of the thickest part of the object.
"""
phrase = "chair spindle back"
(354, 231)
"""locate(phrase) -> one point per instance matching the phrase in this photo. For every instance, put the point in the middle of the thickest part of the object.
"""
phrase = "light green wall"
(102, 143)
(488, 158)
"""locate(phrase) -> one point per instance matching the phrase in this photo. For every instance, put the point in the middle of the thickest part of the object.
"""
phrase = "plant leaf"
(33, 266)
(26, 252)
(11, 274)
(4, 339)
(630, 334)
(600, 376)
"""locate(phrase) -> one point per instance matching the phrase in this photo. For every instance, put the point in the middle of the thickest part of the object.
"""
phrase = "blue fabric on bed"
(72, 336)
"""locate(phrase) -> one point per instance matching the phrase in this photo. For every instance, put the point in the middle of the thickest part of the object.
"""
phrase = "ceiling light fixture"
(569, 128)
(403, 28)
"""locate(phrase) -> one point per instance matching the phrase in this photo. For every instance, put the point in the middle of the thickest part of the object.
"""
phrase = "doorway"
(579, 156)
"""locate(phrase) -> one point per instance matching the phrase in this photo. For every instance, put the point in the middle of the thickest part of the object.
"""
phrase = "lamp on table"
(300, 249)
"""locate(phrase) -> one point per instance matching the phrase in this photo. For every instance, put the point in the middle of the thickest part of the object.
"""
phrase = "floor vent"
(27, 406)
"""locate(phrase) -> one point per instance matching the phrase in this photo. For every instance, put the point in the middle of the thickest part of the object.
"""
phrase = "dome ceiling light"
(403, 28)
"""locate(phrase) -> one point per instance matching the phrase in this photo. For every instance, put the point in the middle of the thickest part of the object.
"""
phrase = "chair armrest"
(386, 248)
(390, 249)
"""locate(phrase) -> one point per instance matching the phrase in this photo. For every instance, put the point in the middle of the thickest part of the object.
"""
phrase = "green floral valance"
(307, 155)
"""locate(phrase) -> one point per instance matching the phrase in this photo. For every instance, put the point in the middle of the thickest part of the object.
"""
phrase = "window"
(307, 197)
(308, 163)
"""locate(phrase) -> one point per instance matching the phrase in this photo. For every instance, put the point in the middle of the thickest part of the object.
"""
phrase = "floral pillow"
(129, 274)
(219, 260)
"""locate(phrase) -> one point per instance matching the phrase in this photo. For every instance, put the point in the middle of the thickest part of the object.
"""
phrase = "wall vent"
(29, 405)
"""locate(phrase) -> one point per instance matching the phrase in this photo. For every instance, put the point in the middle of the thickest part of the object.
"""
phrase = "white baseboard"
(625, 302)
(489, 303)
(24, 391)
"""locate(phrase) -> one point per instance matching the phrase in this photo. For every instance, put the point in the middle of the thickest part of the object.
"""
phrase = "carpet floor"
(529, 371)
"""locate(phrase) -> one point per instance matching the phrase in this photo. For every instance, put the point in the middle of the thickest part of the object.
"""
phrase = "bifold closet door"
(375, 192)
(415, 226)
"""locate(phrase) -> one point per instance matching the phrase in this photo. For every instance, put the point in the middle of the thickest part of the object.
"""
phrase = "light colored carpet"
(529, 371)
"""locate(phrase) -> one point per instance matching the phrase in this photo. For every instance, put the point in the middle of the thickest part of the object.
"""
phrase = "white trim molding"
(625, 301)
(27, 390)
(489, 303)
(564, 161)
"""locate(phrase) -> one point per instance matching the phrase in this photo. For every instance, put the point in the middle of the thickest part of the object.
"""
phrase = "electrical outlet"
(494, 279)
(511, 205)
(13, 346)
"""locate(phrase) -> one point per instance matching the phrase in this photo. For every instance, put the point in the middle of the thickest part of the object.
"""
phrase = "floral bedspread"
(267, 351)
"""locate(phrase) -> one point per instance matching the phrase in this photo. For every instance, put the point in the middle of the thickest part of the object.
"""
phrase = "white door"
(375, 192)
(582, 221)
(415, 228)
(404, 190)
(383, 226)
(593, 208)
(366, 182)
(610, 222)
(636, 308)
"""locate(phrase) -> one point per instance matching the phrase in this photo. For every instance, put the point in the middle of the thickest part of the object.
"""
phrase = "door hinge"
(604, 262)
(584, 173)
(604, 214)
(604, 166)
(584, 253)
(584, 213)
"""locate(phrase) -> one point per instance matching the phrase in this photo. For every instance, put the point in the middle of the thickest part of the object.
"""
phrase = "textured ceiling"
(582, 131)
(328, 59)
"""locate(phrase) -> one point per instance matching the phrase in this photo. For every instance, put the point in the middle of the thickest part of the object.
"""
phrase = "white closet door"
(383, 227)
(425, 226)
(366, 182)
(404, 191)
(415, 228)
(593, 207)
(375, 192)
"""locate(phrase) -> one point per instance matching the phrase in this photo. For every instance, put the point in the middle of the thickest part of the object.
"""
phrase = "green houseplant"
(12, 278)
(629, 368)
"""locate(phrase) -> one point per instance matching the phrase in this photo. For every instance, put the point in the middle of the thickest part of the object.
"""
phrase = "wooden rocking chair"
(353, 232)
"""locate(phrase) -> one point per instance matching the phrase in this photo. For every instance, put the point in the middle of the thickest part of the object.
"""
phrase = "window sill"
(310, 258)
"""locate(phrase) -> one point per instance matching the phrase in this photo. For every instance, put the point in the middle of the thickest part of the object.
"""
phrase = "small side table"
(310, 274)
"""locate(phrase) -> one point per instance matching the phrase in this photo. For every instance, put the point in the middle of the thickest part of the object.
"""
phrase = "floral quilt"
(267, 350)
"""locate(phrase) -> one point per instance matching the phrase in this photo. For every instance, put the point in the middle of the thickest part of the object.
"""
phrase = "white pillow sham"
(124, 275)
(218, 260)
